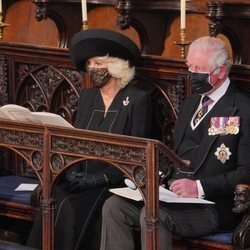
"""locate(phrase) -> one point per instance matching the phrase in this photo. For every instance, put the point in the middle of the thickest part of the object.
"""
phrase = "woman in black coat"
(113, 105)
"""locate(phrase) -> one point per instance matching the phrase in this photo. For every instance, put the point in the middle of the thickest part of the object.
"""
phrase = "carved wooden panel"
(47, 88)
(167, 96)
(3, 81)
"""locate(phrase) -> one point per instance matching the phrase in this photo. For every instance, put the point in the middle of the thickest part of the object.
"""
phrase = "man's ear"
(223, 72)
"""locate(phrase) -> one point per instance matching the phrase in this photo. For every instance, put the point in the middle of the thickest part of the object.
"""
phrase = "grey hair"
(219, 54)
(119, 69)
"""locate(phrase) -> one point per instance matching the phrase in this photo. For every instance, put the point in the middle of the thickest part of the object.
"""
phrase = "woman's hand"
(79, 181)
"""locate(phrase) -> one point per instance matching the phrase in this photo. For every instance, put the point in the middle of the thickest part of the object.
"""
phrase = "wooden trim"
(17, 210)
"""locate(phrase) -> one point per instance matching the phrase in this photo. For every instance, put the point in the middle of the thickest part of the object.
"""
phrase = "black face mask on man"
(99, 76)
(200, 82)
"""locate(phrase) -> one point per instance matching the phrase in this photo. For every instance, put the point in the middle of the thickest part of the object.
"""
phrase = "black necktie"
(206, 100)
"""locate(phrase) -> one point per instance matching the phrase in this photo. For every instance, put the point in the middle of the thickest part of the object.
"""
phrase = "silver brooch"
(126, 101)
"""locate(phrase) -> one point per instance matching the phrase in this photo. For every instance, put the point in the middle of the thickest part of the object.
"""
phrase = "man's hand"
(79, 181)
(185, 188)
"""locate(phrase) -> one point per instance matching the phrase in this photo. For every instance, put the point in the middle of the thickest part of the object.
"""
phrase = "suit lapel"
(184, 119)
(224, 108)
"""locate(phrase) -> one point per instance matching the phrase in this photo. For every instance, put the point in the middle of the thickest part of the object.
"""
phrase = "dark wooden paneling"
(24, 28)
(153, 25)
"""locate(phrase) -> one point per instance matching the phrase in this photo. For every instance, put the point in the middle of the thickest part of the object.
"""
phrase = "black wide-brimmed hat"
(101, 42)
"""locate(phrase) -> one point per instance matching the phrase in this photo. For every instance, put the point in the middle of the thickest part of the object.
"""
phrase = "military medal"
(223, 153)
(233, 125)
(224, 125)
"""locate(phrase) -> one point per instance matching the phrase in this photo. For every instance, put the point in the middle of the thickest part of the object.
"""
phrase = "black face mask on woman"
(99, 76)
(200, 82)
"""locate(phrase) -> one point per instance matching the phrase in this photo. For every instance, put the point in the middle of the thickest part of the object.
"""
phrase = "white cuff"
(201, 193)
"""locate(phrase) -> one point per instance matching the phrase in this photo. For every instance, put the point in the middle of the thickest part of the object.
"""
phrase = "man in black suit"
(213, 134)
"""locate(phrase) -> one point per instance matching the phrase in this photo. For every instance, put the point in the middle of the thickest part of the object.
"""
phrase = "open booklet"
(22, 114)
(164, 195)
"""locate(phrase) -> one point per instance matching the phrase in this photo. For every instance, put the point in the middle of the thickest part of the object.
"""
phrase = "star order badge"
(223, 153)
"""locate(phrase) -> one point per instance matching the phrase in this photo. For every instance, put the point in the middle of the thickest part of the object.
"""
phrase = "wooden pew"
(57, 86)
